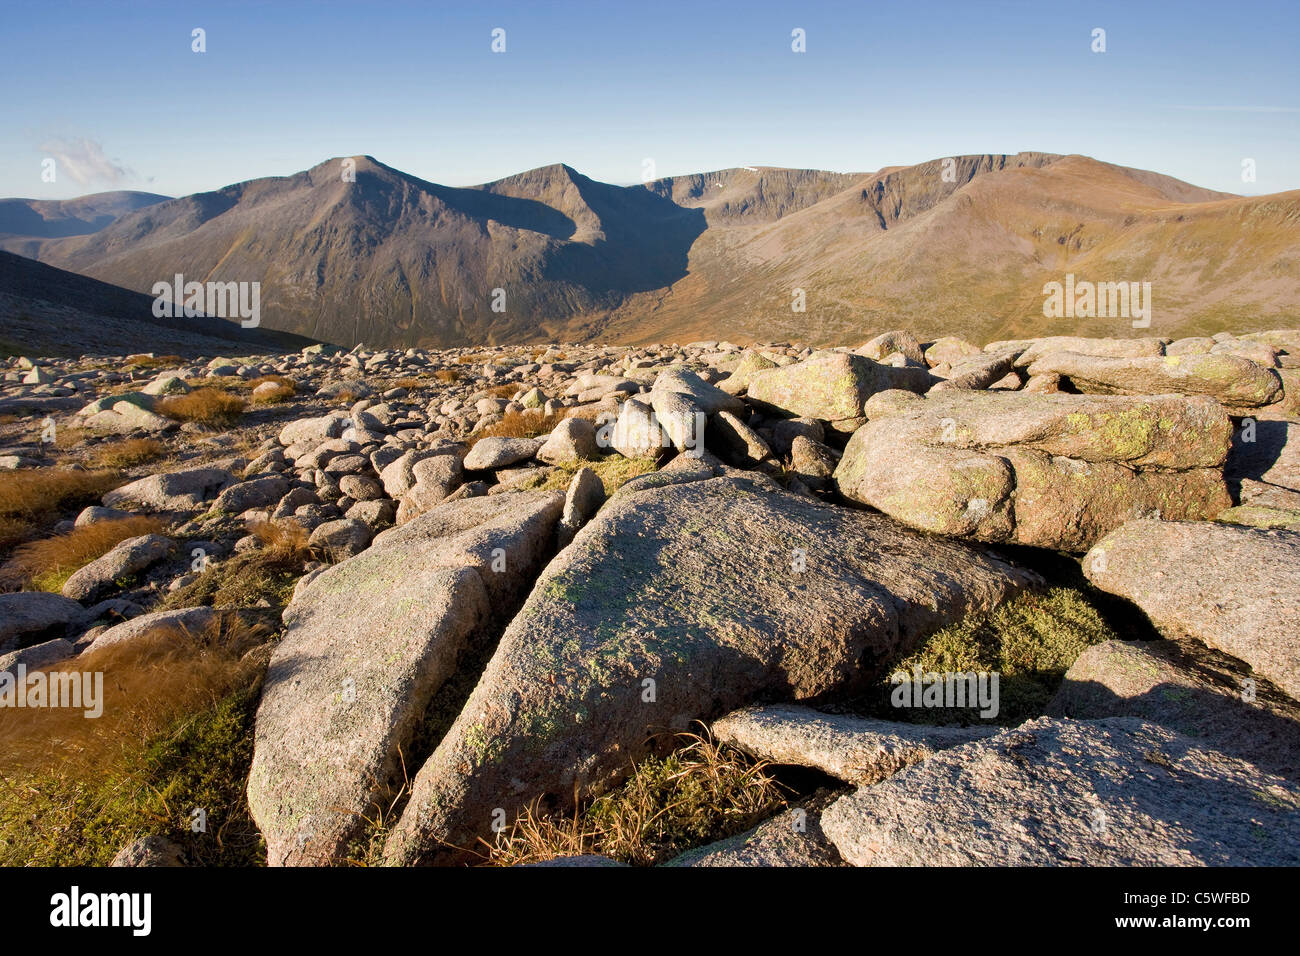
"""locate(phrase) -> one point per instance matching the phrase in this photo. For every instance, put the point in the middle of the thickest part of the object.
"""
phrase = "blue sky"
(114, 90)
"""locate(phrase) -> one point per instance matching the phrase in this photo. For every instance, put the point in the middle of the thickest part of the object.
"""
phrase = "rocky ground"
(470, 588)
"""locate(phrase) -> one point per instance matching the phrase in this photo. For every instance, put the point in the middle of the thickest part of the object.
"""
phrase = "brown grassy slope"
(974, 262)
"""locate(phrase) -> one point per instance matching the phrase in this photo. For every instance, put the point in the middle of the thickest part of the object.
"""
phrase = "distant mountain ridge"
(961, 245)
(58, 218)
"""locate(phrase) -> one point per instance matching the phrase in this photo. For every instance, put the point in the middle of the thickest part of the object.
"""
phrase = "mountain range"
(962, 245)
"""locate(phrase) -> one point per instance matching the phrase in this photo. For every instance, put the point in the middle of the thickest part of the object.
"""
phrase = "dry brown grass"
(285, 389)
(46, 564)
(148, 681)
(124, 454)
(447, 375)
(473, 359)
(268, 573)
(174, 734)
(282, 538)
(216, 381)
(518, 425)
(29, 496)
(67, 437)
(503, 391)
(700, 793)
(410, 383)
(205, 406)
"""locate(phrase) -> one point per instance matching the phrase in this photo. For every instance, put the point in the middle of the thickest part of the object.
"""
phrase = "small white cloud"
(84, 161)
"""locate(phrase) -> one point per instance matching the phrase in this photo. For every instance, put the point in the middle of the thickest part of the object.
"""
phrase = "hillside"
(46, 311)
(961, 246)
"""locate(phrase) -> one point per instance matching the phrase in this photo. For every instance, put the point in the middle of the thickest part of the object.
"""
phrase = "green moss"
(614, 471)
(1030, 641)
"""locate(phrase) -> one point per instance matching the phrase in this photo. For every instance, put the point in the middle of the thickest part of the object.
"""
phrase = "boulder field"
(482, 581)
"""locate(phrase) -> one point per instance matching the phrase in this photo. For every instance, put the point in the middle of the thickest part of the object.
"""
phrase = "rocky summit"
(909, 601)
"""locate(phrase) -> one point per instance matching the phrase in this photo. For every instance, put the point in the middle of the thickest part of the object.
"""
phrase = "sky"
(114, 93)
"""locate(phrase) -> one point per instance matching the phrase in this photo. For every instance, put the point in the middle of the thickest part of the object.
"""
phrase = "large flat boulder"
(1234, 588)
(189, 625)
(258, 493)
(1113, 792)
(1055, 471)
(857, 750)
(173, 491)
(1236, 382)
(124, 560)
(367, 645)
(676, 603)
(1031, 350)
(698, 393)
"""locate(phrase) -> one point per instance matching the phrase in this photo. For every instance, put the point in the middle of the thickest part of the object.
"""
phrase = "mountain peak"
(954, 245)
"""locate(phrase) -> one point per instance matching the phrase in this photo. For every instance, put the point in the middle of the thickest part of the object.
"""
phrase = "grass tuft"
(269, 572)
(285, 389)
(614, 471)
(700, 793)
(514, 424)
(125, 454)
(204, 406)
(46, 564)
(31, 496)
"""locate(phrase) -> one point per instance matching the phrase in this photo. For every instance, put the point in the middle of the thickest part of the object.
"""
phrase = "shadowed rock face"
(1189, 688)
(27, 616)
(1121, 792)
(1055, 471)
(1267, 451)
(1236, 589)
(716, 592)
